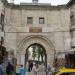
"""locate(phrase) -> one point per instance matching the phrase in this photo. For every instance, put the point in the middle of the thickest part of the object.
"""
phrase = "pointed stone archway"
(29, 40)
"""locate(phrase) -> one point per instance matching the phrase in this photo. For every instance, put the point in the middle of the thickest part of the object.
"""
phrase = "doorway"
(36, 53)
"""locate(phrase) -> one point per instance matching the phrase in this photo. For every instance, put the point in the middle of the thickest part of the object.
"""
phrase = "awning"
(66, 51)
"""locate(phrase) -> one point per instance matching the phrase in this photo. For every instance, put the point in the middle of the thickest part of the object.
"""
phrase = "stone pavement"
(39, 73)
(6, 74)
(29, 73)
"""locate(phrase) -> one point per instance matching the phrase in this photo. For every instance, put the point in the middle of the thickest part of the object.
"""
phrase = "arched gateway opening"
(36, 53)
(31, 45)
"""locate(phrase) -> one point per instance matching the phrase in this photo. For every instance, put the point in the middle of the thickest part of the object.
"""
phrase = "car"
(65, 71)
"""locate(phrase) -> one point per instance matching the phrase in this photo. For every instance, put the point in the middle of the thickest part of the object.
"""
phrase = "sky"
(53, 2)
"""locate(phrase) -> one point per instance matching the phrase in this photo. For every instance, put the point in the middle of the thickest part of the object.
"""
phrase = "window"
(41, 20)
(29, 20)
(72, 18)
(2, 21)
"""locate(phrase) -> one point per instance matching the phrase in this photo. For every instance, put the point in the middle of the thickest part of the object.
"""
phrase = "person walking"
(31, 66)
(48, 66)
(1, 69)
(35, 69)
(49, 72)
(22, 70)
(17, 69)
(9, 69)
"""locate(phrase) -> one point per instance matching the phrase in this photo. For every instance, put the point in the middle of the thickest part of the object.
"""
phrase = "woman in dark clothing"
(9, 69)
(30, 66)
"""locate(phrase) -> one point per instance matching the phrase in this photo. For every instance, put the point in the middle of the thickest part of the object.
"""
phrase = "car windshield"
(68, 73)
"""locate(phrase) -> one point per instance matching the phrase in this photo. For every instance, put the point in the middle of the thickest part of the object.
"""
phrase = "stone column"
(50, 58)
(22, 59)
(18, 58)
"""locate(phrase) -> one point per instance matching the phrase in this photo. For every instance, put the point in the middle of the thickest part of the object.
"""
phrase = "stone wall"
(57, 20)
(1, 7)
(72, 17)
(55, 35)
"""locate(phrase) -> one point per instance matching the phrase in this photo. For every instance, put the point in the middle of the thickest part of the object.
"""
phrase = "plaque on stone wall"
(35, 29)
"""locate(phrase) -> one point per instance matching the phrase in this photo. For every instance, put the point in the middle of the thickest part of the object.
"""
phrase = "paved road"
(29, 73)
(6, 74)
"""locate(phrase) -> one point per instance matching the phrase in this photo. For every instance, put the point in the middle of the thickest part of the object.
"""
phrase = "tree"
(34, 52)
(40, 53)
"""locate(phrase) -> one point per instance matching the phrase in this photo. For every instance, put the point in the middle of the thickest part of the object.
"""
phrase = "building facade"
(30, 23)
(2, 48)
(1, 20)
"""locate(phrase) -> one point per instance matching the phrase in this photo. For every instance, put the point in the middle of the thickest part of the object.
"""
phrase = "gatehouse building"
(27, 24)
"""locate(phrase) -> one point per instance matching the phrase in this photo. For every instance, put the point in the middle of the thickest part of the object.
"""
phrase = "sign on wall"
(35, 29)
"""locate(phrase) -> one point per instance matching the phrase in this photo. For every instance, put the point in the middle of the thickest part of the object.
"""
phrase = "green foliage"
(38, 52)
(34, 52)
